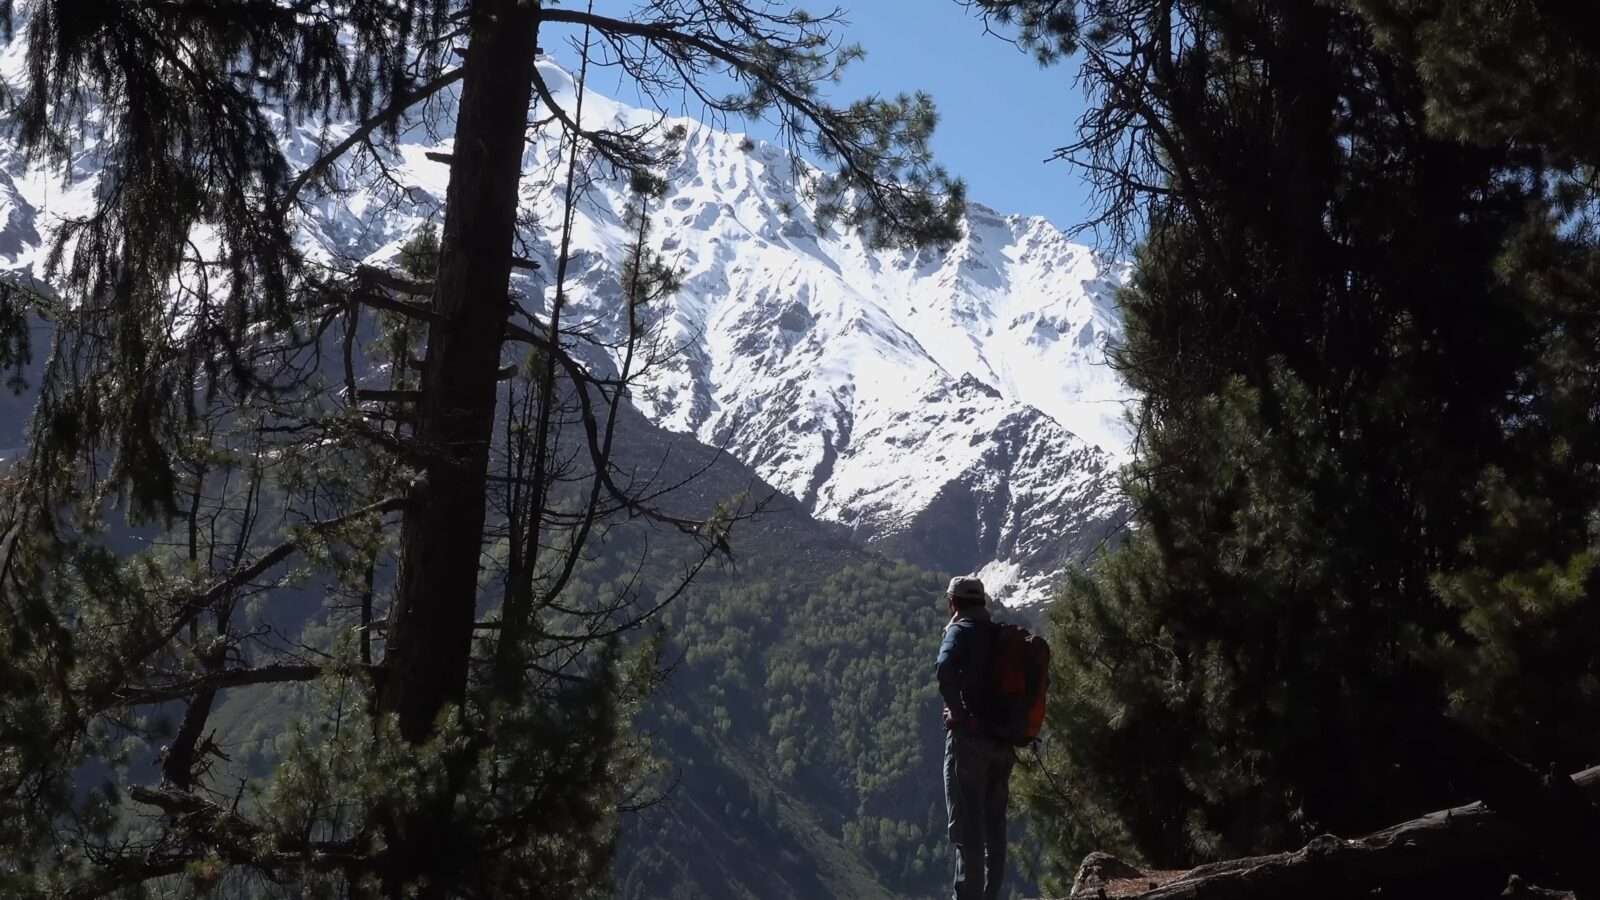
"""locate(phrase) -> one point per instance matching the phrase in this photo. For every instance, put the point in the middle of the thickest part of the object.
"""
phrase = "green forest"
(327, 577)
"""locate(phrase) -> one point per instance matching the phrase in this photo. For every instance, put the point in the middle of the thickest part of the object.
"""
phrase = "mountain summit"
(951, 406)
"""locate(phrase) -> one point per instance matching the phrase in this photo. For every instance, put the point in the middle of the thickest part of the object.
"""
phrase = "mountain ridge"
(864, 383)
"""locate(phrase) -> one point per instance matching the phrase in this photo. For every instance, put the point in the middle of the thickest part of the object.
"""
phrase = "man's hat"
(967, 589)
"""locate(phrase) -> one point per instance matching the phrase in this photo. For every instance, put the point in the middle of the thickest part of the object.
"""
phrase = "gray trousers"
(977, 786)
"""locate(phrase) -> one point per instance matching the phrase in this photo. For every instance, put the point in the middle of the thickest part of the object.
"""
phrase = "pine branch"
(207, 826)
(394, 282)
(399, 307)
(618, 149)
(386, 396)
(198, 603)
(362, 132)
(281, 673)
(858, 154)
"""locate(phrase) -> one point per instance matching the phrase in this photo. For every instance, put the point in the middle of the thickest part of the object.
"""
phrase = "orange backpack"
(1019, 671)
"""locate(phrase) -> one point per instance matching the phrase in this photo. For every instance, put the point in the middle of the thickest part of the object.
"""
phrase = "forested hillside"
(814, 685)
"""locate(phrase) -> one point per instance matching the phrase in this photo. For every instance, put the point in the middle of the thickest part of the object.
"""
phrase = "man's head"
(965, 591)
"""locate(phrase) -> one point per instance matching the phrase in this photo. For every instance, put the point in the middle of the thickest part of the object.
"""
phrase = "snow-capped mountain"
(951, 406)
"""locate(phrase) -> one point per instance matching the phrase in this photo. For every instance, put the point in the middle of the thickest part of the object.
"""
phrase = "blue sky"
(1001, 114)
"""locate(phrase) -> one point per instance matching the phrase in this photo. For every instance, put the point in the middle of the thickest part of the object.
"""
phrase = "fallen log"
(1550, 807)
(1474, 836)
(1516, 889)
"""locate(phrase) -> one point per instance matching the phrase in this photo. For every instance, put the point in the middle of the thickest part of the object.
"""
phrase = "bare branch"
(282, 673)
(362, 132)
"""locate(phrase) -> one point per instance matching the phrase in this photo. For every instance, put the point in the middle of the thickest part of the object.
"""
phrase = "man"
(977, 768)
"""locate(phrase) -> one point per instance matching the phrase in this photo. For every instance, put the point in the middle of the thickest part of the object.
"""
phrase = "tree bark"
(430, 631)
(431, 625)
(1473, 837)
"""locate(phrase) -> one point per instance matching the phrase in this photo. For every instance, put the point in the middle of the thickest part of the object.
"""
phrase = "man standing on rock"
(977, 768)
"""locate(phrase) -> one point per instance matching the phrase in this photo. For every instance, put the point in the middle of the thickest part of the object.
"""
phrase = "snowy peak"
(950, 405)
(953, 406)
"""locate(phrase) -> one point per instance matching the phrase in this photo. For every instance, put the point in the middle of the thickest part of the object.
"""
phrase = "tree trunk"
(430, 630)
(1472, 840)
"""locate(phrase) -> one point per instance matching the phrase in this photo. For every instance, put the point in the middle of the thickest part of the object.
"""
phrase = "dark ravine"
(824, 471)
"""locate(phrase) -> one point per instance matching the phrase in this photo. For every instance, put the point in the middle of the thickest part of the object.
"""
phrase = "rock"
(1096, 873)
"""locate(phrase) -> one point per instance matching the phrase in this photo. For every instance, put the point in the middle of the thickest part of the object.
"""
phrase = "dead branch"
(1331, 867)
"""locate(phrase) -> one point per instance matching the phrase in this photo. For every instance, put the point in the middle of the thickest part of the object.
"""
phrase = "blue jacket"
(963, 665)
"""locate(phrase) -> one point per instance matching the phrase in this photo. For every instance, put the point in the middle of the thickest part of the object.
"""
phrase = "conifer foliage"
(230, 432)
(1362, 326)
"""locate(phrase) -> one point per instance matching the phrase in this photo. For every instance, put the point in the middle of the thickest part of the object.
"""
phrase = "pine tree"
(227, 394)
(1497, 72)
(1365, 467)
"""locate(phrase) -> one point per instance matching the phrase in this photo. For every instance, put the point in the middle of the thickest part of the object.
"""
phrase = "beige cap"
(966, 588)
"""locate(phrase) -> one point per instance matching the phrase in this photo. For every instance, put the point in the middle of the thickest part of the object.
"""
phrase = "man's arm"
(952, 657)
